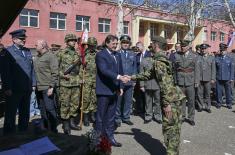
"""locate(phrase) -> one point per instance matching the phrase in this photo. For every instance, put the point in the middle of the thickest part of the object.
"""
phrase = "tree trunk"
(120, 19)
(229, 11)
(192, 21)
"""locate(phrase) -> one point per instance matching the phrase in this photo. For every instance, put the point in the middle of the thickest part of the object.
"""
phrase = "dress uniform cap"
(184, 43)
(223, 46)
(159, 39)
(125, 38)
(20, 33)
(70, 37)
(92, 41)
(204, 46)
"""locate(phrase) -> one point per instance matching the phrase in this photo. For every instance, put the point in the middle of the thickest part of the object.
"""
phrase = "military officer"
(89, 96)
(224, 76)
(151, 87)
(129, 65)
(207, 77)
(69, 84)
(18, 78)
(186, 69)
(172, 98)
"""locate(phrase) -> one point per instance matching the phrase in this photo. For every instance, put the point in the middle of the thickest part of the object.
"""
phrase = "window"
(166, 35)
(125, 27)
(213, 36)
(29, 18)
(153, 30)
(57, 21)
(82, 22)
(104, 25)
(221, 36)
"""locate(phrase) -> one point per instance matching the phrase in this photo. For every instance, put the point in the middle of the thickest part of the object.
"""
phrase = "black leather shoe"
(128, 122)
(147, 121)
(183, 120)
(229, 107)
(66, 127)
(191, 122)
(199, 110)
(115, 143)
(73, 125)
(218, 106)
(86, 121)
(208, 110)
(118, 124)
(157, 120)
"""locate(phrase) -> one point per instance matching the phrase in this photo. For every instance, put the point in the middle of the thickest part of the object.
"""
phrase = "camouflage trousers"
(69, 102)
(89, 98)
(171, 129)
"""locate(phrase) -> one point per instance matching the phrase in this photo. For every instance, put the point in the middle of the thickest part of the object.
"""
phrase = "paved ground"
(214, 134)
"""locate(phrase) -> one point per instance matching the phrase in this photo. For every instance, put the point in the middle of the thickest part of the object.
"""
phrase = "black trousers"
(20, 101)
(48, 111)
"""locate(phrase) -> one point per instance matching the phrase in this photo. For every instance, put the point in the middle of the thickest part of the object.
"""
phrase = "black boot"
(66, 127)
(92, 117)
(86, 119)
(73, 124)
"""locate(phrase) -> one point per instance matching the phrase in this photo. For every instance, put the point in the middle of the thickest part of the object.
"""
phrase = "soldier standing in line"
(89, 95)
(207, 77)
(172, 98)
(186, 69)
(69, 84)
(224, 76)
(232, 55)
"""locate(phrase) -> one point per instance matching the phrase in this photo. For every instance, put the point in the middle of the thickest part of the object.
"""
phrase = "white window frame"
(83, 23)
(213, 36)
(126, 25)
(222, 35)
(57, 21)
(104, 24)
(28, 17)
(153, 30)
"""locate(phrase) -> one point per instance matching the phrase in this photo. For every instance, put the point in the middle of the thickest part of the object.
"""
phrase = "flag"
(231, 38)
(84, 39)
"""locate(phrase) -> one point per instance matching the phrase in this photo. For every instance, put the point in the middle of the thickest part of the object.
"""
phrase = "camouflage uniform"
(89, 95)
(170, 94)
(69, 89)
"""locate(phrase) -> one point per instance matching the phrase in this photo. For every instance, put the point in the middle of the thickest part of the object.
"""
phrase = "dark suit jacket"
(107, 72)
(18, 72)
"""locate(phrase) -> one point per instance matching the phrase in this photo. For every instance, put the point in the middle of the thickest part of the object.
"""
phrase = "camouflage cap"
(55, 46)
(125, 38)
(92, 41)
(159, 39)
(70, 37)
(184, 43)
(204, 46)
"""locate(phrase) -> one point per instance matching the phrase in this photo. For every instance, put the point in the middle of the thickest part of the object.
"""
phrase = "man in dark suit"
(18, 79)
(128, 59)
(108, 84)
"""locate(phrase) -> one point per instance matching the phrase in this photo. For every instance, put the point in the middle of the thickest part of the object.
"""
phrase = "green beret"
(159, 39)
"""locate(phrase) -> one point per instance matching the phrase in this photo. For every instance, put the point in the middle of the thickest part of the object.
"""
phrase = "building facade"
(52, 20)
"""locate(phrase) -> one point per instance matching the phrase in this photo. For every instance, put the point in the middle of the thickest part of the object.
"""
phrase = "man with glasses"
(18, 79)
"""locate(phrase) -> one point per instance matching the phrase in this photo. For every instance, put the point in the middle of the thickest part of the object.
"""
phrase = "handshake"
(125, 78)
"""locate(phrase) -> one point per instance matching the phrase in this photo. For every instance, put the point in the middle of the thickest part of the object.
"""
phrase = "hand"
(142, 89)
(8, 92)
(168, 112)
(121, 92)
(125, 78)
(34, 88)
(82, 82)
(196, 85)
(50, 91)
(66, 77)
(231, 81)
(212, 81)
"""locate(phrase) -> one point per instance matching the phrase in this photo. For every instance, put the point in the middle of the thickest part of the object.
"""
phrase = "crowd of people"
(104, 85)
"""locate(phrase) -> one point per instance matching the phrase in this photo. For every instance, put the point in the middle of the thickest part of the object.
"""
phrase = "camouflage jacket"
(66, 58)
(90, 71)
(162, 69)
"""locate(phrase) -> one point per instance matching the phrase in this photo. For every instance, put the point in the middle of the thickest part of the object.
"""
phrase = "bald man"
(46, 68)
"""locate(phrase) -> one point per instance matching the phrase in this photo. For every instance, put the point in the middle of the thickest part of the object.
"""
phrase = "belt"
(185, 70)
